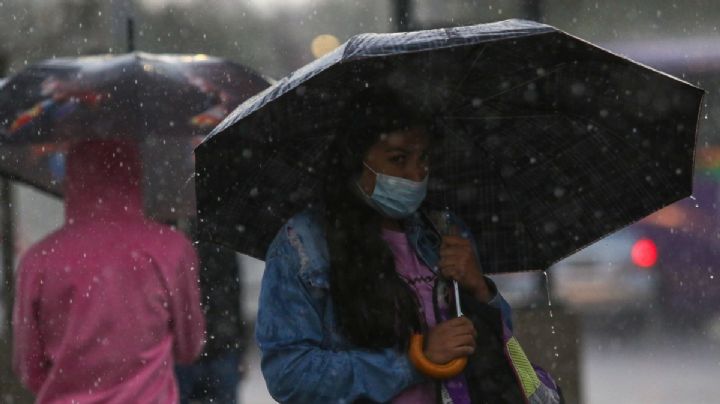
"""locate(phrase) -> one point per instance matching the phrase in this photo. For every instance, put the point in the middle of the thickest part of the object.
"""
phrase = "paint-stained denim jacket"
(306, 360)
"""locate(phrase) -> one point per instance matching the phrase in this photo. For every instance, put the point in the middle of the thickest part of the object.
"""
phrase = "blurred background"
(634, 318)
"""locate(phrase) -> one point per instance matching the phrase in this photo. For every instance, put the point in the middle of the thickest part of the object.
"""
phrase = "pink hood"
(103, 181)
(108, 303)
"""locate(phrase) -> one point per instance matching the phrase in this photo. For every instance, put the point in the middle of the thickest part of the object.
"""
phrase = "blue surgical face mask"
(395, 197)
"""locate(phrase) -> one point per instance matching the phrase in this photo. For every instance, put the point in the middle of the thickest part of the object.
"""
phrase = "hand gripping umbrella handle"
(417, 357)
(429, 368)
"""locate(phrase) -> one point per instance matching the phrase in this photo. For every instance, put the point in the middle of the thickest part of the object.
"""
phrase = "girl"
(348, 282)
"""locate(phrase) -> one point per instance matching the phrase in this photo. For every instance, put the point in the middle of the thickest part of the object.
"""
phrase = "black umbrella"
(549, 142)
(166, 102)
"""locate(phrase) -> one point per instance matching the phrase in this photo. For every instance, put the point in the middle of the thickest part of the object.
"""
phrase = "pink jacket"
(107, 304)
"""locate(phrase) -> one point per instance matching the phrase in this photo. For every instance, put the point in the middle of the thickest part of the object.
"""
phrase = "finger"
(459, 342)
(462, 351)
(452, 272)
(453, 248)
(449, 252)
(468, 325)
(446, 265)
(452, 230)
(464, 337)
(464, 329)
(460, 323)
(446, 268)
(455, 241)
(457, 322)
(452, 261)
(465, 340)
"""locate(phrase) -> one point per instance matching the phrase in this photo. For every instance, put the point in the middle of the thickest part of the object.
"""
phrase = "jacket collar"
(306, 234)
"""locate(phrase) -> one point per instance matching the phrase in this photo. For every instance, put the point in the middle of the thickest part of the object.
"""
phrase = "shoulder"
(301, 244)
(47, 248)
(164, 242)
(164, 232)
(299, 232)
(33, 257)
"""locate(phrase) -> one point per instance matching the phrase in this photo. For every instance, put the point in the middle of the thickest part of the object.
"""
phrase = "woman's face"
(401, 153)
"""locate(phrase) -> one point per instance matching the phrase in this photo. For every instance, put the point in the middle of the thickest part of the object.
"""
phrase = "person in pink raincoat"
(106, 305)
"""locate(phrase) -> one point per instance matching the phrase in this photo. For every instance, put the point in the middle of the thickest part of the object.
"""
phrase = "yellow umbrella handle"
(431, 369)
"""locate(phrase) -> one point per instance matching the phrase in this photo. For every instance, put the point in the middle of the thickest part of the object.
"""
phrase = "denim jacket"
(305, 359)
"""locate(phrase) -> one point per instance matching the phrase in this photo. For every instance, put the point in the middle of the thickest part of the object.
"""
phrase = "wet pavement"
(652, 366)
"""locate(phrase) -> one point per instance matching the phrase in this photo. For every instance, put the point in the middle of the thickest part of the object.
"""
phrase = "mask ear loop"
(357, 181)
(370, 168)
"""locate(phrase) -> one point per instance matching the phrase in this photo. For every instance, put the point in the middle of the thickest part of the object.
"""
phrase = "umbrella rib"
(552, 71)
(515, 204)
(478, 118)
(472, 66)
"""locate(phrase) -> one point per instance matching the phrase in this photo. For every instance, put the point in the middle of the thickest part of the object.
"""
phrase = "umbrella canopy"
(165, 102)
(548, 142)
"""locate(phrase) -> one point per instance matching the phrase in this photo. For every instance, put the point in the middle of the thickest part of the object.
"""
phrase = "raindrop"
(577, 89)
(550, 227)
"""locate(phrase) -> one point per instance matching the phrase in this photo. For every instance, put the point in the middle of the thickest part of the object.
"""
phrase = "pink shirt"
(422, 280)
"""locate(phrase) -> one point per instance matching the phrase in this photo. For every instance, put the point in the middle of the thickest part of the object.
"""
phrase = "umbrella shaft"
(458, 310)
